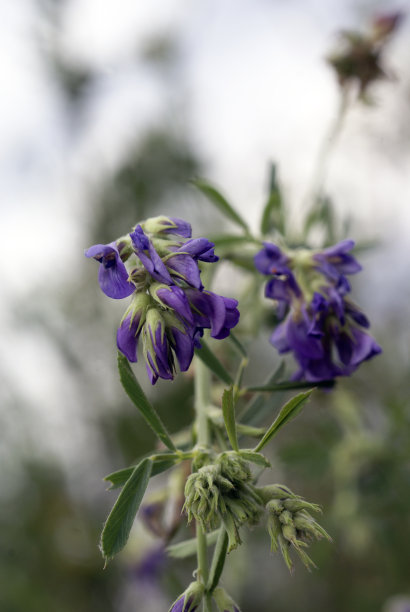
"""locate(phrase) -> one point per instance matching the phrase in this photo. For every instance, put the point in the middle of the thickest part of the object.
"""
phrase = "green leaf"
(254, 457)
(248, 430)
(291, 385)
(188, 548)
(229, 240)
(119, 478)
(287, 413)
(228, 411)
(273, 215)
(220, 202)
(212, 362)
(138, 397)
(242, 261)
(119, 522)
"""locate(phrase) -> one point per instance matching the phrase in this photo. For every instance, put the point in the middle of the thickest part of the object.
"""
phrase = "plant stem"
(202, 395)
(202, 389)
(322, 161)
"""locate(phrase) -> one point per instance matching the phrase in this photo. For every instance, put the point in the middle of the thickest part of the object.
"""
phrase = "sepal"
(190, 598)
(224, 602)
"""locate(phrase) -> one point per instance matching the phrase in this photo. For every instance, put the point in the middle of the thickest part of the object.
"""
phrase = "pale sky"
(255, 89)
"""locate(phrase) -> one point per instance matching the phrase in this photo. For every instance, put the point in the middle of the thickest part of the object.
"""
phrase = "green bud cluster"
(221, 491)
(290, 523)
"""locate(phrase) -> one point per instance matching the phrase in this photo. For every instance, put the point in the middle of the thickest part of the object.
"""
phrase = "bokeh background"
(107, 110)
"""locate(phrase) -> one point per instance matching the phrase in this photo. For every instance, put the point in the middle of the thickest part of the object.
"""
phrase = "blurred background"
(108, 109)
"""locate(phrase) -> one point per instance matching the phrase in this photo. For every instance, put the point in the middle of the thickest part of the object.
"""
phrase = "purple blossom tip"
(271, 260)
(168, 225)
(149, 257)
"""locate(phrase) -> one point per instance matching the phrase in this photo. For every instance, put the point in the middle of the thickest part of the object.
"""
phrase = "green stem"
(328, 144)
(202, 398)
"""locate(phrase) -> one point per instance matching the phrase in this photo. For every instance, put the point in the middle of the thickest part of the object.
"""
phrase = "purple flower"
(335, 261)
(200, 249)
(112, 273)
(271, 260)
(170, 308)
(322, 328)
(214, 312)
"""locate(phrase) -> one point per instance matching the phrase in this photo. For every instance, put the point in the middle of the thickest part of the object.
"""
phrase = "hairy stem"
(202, 396)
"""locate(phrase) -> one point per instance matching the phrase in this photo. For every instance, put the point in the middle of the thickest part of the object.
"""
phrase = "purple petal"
(299, 340)
(284, 289)
(200, 248)
(345, 347)
(271, 260)
(127, 337)
(185, 267)
(112, 273)
(184, 348)
(231, 318)
(340, 248)
(365, 347)
(175, 298)
(183, 228)
(149, 257)
(279, 338)
(357, 315)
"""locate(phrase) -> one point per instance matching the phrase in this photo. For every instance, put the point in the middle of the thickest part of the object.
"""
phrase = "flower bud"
(167, 225)
(131, 324)
(290, 524)
(190, 598)
(220, 491)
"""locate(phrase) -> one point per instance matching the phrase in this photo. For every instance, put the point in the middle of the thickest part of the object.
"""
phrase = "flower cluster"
(157, 264)
(361, 58)
(289, 523)
(220, 491)
(321, 326)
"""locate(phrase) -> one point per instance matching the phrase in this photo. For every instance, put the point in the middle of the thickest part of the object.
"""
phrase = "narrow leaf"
(229, 240)
(254, 457)
(212, 362)
(218, 560)
(119, 478)
(291, 385)
(188, 548)
(273, 215)
(287, 413)
(138, 397)
(119, 522)
(228, 411)
(220, 202)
